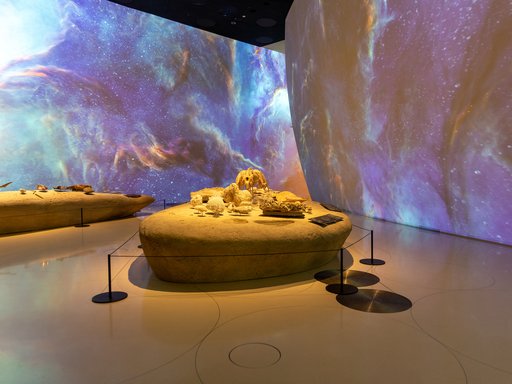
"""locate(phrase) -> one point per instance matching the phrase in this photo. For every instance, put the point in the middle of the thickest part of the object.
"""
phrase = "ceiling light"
(266, 22)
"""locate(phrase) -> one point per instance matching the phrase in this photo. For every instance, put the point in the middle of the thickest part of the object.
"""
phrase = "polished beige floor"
(281, 330)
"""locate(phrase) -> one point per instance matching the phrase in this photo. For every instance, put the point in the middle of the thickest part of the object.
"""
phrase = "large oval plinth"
(37, 210)
(182, 247)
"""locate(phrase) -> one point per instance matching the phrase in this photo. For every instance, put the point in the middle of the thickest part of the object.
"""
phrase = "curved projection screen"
(94, 92)
(402, 109)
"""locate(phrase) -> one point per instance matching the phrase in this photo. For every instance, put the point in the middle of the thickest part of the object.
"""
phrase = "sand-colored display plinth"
(182, 247)
(51, 209)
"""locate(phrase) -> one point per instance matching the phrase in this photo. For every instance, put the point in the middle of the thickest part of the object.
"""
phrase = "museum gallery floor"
(288, 329)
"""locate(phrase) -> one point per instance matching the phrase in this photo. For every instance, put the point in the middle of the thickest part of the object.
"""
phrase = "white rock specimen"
(201, 209)
(216, 205)
(245, 195)
(232, 194)
(196, 200)
(242, 209)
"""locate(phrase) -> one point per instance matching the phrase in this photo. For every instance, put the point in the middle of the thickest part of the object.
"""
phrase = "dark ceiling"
(257, 22)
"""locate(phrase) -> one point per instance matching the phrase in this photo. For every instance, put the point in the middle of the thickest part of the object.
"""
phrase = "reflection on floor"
(282, 330)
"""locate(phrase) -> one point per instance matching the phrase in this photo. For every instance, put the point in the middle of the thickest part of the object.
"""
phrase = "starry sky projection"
(94, 92)
(403, 110)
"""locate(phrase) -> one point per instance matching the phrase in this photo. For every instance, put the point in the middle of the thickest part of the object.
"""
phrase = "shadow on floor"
(141, 275)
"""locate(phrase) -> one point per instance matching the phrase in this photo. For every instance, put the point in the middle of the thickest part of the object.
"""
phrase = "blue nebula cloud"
(101, 94)
(402, 110)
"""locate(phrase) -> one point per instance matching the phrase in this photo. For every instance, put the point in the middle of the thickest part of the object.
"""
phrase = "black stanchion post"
(109, 277)
(164, 203)
(109, 297)
(345, 289)
(371, 260)
(371, 244)
(81, 219)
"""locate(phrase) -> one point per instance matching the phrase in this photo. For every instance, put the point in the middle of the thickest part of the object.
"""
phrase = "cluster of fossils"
(283, 204)
(216, 200)
(86, 188)
(250, 190)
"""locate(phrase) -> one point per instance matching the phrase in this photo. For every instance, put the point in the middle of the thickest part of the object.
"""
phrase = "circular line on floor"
(254, 355)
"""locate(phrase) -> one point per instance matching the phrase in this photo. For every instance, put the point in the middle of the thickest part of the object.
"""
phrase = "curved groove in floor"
(304, 350)
(466, 312)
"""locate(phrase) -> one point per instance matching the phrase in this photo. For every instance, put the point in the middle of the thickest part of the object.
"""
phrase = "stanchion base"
(359, 278)
(356, 278)
(376, 301)
(372, 261)
(337, 289)
(109, 297)
(82, 225)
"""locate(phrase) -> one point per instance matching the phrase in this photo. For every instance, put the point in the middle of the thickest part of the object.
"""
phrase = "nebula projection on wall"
(94, 92)
(402, 110)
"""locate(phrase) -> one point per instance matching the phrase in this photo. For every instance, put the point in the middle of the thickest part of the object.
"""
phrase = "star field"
(101, 94)
(402, 110)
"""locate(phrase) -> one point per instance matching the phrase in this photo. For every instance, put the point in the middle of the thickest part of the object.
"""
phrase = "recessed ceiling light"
(264, 40)
(266, 22)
